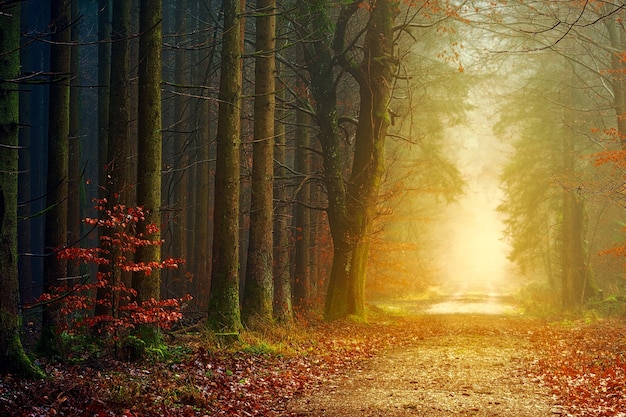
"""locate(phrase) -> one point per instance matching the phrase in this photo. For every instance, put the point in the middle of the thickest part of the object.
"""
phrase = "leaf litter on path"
(459, 365)
(414, 365)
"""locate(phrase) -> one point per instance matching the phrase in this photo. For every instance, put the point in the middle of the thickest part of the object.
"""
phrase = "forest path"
(456, 365)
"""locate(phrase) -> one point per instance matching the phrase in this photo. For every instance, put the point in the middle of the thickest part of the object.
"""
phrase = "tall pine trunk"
(178, 285)
(55, 270)
(617, 37)
(259, 289)
(577, 280)
(74, 180)
(224, 313)
(283, 308)
(149, 147)
(203, 185)
(104, 75)
(12, 356)
(302, 215)
(118, 146)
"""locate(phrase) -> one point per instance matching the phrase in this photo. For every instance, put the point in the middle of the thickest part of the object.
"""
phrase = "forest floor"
(420, 361)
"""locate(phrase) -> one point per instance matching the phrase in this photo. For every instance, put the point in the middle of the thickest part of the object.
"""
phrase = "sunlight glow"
(491, 304)
(474, 259)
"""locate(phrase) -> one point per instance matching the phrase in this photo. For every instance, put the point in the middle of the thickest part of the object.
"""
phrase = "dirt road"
(455, 365)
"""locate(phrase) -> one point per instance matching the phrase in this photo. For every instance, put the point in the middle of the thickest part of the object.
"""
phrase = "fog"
(474, 256)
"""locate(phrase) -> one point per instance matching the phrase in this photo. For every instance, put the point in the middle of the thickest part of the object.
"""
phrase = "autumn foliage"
(584, 366)
(119, 240)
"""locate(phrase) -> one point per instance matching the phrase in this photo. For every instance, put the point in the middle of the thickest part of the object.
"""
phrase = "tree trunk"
(259, 286)
(74, 180)
(224, 313)
(178, 285)
(577, 281)
(25, 179)
(204, 120)
(104, 77)
(375, 78)
(149, 149)
(118, 146)
(12, 356)
(617, 36)
(345, 295)
(57, 176)
(283, 309)
(302, 217)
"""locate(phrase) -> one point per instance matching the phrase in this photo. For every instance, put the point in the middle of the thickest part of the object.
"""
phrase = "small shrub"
(538, 299)
(132, 349)
(118, 243)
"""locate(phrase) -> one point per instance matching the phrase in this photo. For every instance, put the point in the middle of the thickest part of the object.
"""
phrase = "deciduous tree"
(351, 205)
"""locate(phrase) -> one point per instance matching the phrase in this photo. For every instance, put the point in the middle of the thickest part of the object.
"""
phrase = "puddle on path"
(460, 303)
(472, 304)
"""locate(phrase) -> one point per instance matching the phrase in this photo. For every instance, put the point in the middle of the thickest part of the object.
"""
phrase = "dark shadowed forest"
(251, 207)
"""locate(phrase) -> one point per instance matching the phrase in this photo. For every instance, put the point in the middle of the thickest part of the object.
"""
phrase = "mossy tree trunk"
(74, 175)
(104, 75)
(302, 212)
(12, 356)
(258, 293)
(577, 279)
(351, 207)
(319, 62)
(149, 147)
(118, 150)
(57, 175)
(180, 225)
(374, 76)
(283, 307)
(224, 312)
(203, 185)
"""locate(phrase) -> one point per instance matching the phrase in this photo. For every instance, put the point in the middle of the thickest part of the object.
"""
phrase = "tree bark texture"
(224, 313)
(12, 356)
(104, 76)
(351, 211)
(617, 36)
(302, 216)
(74, 175)
(283, 308)
(149, 146)
(204, 185)
(577, 280)
(118, 150)
(259, 285)
(58, 153)
(178, 284)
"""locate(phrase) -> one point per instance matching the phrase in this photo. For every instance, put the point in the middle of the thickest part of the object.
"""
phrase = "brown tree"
(351, 206)
(283, 308)
(118, 150)
(57, 176)
(259, 290)
(12, 355)
(149, 151)
(74, 174)
(224, 313)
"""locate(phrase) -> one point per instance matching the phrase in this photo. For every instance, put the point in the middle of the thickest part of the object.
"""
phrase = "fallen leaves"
(584, 365)
(206, 380)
